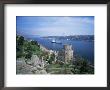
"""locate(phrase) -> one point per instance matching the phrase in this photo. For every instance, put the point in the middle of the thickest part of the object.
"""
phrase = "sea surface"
(81, 48)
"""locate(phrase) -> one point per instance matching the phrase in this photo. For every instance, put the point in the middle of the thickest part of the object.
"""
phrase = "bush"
(25, 48)
(82, 67)
(28, 55)
(52, 58)
(20, 40)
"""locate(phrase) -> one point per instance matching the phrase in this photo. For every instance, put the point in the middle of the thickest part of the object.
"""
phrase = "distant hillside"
(74, 37)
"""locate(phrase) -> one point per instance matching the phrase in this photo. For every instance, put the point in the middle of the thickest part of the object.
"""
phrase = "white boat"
(53, 41)
(56, 41)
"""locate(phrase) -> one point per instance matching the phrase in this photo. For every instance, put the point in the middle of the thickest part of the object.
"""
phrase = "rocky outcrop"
(32, 66)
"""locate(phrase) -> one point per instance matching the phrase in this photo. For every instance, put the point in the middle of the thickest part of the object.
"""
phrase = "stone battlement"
(67, 47)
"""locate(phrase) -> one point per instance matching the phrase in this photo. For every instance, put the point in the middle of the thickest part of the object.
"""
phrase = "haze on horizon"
(54, 25)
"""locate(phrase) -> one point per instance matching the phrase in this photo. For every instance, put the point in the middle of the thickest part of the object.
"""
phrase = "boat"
(56, 41)
(53, 41)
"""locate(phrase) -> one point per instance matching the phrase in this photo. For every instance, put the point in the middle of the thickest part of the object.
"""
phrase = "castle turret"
(68, 53)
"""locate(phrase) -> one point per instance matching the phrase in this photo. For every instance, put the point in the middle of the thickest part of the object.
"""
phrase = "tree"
(19, 46)
(82, 67)
(34, 43)
(20, 40)
(28, 55)
(52, 58)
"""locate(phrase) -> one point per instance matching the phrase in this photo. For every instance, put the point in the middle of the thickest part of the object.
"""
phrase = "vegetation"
(26, 49)
(79, 67)
(51, 59)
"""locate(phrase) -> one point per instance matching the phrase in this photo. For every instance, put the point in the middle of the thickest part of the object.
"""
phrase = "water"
(84, 49)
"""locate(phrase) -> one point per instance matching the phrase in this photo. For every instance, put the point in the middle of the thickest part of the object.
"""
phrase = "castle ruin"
(68, 53)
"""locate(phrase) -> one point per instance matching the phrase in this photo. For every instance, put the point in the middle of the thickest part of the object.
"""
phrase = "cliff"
(32, 66)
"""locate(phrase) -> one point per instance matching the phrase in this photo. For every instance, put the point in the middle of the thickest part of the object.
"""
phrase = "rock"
(37, 72)
(20, 64)
(32, 66)
(30, 62)
(26, 69)
(40, 72)
(39, 67)
(35, 60)
(43, 72)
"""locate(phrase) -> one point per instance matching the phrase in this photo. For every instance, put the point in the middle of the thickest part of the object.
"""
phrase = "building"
(66, 54)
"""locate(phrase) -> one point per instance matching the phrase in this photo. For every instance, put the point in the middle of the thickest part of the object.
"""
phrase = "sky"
(55, 25)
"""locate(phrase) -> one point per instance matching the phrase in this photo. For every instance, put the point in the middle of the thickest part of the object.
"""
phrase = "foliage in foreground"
(25, 48)
(78, 67)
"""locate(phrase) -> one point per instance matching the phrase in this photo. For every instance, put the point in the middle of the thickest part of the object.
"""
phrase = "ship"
(56, 41)
(53, 41)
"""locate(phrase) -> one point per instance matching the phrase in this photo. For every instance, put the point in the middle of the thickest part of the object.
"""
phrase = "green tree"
(20, 40)
(19, 46)
(52, 58)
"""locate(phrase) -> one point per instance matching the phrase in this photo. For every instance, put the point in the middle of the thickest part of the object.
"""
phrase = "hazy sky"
(55, 25)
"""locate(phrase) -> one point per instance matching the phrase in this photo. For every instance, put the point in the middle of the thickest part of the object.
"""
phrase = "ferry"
(53, 41)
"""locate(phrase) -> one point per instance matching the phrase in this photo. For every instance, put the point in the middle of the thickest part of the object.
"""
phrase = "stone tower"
(68, 53)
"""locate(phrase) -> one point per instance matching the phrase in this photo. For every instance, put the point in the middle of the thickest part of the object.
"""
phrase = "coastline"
(43, 48)
(48, 61)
